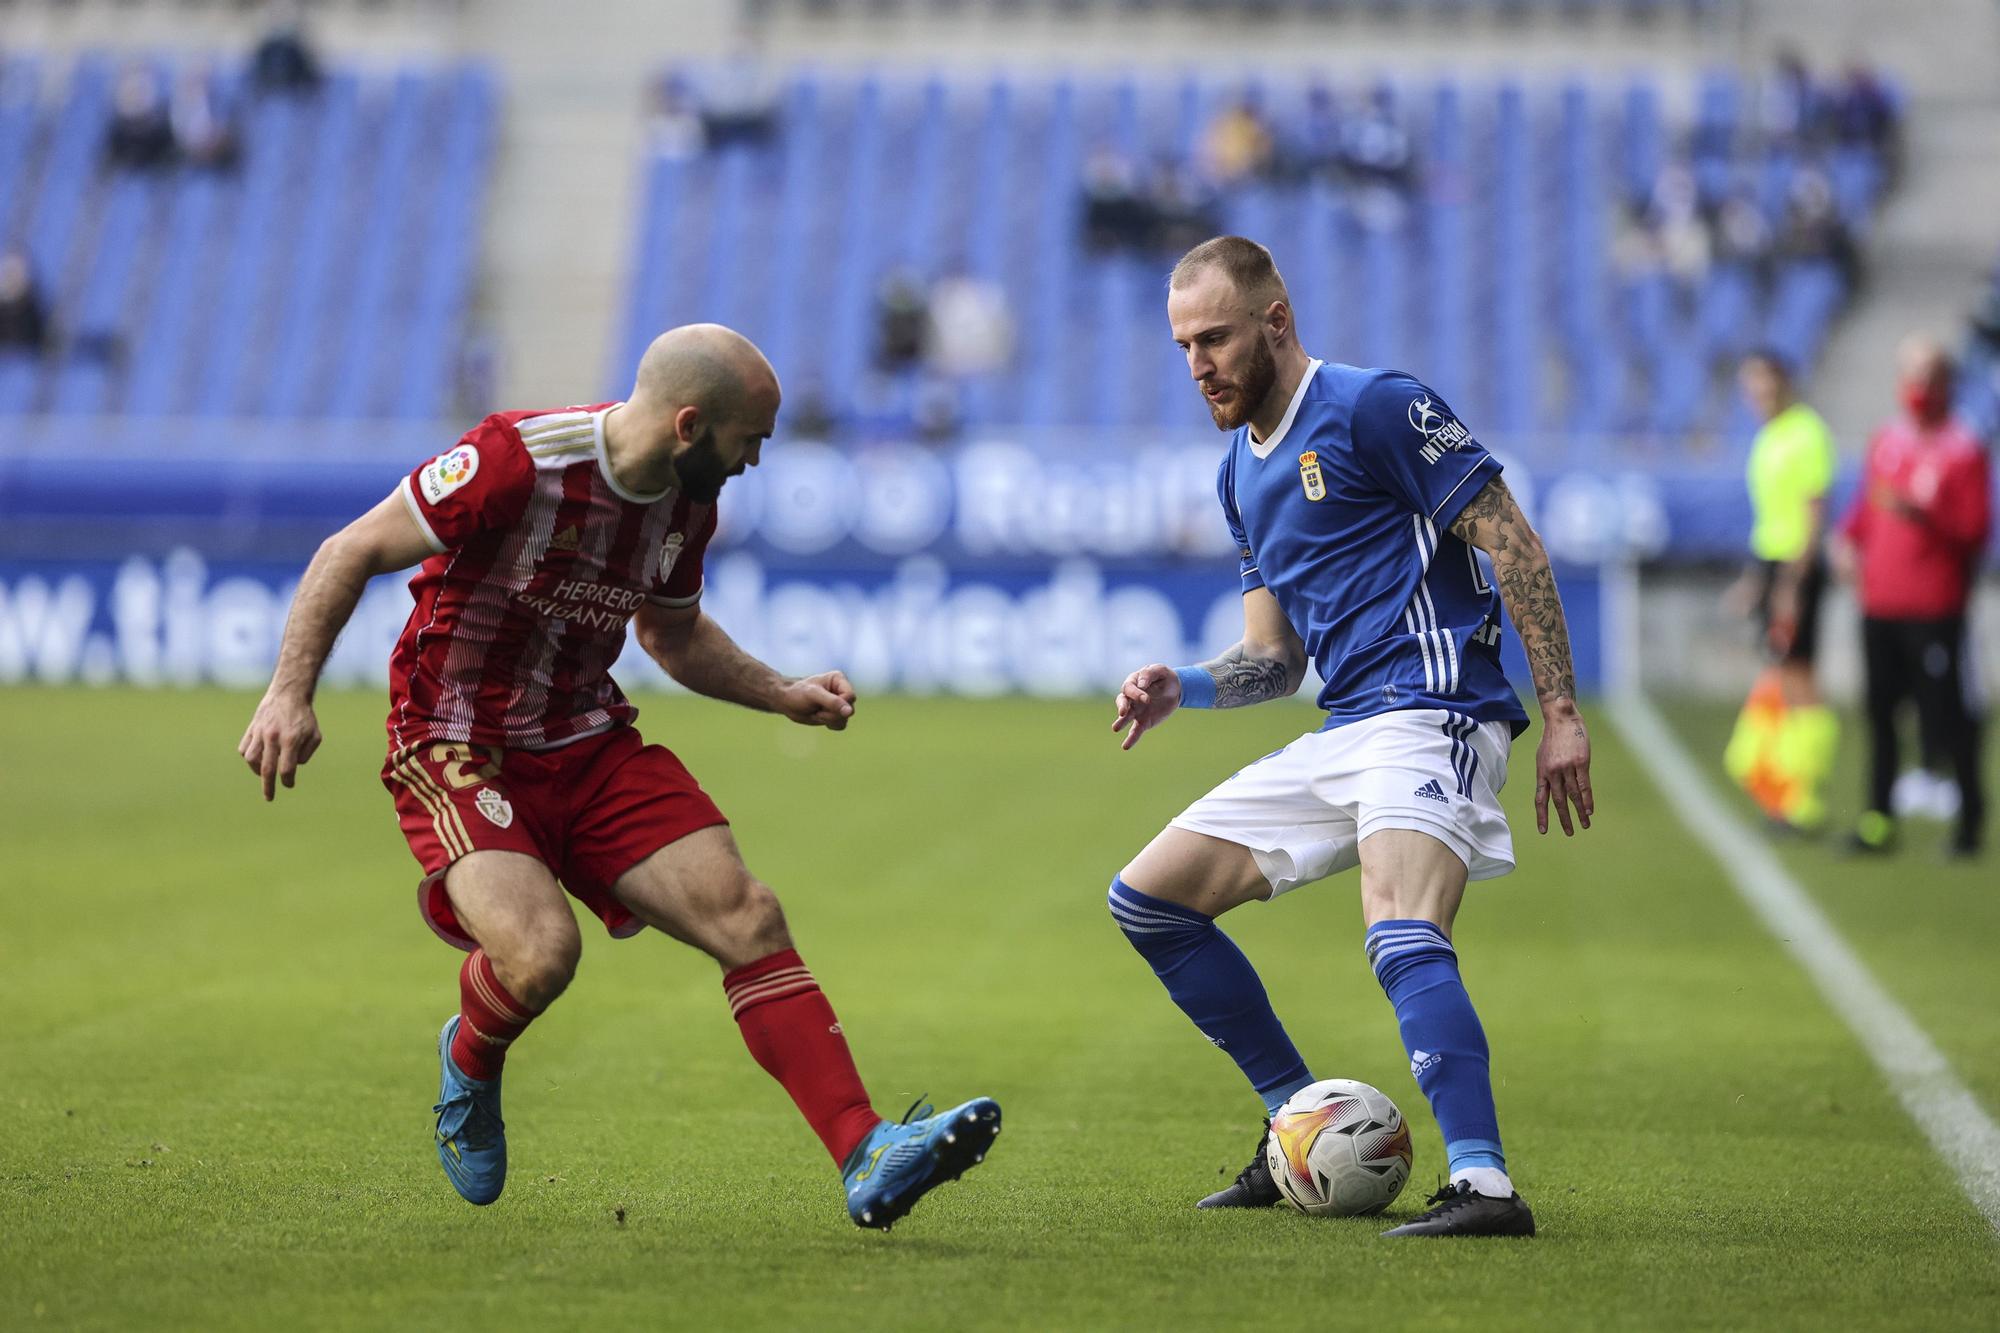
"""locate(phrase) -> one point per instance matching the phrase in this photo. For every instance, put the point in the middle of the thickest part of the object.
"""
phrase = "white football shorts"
(1303, 811)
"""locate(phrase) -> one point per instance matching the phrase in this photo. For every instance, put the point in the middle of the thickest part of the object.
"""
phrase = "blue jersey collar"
(1264, 449)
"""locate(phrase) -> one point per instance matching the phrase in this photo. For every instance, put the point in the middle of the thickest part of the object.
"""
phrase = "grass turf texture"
(217, 1067)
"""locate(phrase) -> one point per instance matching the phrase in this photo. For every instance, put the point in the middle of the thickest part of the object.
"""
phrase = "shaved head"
(713, 369)
(702, 405)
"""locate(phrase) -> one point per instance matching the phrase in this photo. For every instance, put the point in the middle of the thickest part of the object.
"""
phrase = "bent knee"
(537, 964)
(1197, 871)
(750, 924)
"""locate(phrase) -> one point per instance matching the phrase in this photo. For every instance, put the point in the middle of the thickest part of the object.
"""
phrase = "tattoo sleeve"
(1241, 679)
(1493, 522)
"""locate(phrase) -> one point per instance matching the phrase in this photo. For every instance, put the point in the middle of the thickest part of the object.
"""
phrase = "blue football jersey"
(1344, 514)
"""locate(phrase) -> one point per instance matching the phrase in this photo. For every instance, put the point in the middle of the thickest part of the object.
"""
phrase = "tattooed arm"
(1268, 664)
(1494, 523)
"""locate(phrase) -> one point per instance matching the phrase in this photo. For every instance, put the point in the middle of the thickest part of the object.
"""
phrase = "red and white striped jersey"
(542, 558)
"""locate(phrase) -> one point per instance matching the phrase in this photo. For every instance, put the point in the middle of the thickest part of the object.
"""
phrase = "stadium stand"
(328, 274)
(1623, 10)
(1569, 257)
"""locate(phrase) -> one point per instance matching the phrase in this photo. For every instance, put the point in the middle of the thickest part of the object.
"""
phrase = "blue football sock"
(1419, 969)
(1214, 985)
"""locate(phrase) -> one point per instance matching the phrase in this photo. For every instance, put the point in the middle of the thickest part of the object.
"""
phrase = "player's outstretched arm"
(695, 651)
(1269, 663)
(283, 733)
(1495, 524)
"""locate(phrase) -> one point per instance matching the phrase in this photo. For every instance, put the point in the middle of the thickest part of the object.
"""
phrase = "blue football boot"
(897, 1164)
(471, 1139)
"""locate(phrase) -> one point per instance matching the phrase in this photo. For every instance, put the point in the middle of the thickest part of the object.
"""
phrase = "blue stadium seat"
(334, 264)
(421, 383)
(1497, 282)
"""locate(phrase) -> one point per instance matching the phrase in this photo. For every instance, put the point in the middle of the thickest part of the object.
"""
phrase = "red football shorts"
(589, 811)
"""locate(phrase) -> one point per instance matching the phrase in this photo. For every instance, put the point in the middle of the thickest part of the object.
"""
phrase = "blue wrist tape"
(1197, 687)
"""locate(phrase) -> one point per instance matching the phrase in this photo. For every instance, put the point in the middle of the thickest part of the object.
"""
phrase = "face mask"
(1926, 402)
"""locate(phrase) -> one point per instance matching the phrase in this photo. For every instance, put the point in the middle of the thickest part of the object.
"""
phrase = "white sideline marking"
(1949, 1115)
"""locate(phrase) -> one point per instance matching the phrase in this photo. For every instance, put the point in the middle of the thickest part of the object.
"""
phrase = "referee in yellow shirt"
(1785, 739)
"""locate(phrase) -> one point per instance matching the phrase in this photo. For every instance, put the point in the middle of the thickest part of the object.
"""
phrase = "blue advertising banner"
(920, 624)
(169, 555)
(992, 502)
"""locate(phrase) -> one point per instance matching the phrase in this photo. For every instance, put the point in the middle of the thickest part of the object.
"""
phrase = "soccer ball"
(1339, 1149)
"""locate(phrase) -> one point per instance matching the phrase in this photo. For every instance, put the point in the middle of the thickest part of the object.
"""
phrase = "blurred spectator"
(1860, 112)
(673, 124)
(902, 321)
(971, 329)
(1115, 214)
(1789, 103)
(739, 101)
(283, 61)
(1375, 147)
(24, 312)
(1183, 207)
(1675, 218)
(140, 136)
(1379, 158)
(1236, 146)
(202, 127)
(1742, 236)
(1307, 145)
(1813, 230)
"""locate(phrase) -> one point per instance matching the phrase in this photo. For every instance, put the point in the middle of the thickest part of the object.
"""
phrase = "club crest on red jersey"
(494, 806)
(670, 551)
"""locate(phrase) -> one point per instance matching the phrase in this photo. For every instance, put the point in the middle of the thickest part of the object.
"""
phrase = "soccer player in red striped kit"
(515, 767)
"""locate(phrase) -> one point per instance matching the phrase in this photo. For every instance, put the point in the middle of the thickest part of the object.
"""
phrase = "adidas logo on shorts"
(1434, 792)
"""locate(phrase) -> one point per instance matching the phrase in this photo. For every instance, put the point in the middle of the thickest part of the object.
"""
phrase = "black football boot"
(1456, 1211)
(1253, 1188)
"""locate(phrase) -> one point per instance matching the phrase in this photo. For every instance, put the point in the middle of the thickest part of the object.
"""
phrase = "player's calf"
(1215, 986)
(492, 1012)
(1418, 969)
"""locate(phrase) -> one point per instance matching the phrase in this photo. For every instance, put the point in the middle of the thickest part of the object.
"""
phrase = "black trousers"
(1923, 661)
(1804, 646)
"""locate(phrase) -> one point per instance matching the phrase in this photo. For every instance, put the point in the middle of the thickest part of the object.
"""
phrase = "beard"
(701, 469)
(1251, 387)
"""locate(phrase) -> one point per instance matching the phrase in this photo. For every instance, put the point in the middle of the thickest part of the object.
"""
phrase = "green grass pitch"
(216, 1061)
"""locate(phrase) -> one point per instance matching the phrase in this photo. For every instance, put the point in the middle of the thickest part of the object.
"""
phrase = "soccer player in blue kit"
(1358, 503)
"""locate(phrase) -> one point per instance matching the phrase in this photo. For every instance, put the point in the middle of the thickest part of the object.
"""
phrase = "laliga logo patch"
(447, 472)
(495, 807)
(1311, 477)
(1441, 432)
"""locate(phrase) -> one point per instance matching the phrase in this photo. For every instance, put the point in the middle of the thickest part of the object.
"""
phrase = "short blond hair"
(1248, 266)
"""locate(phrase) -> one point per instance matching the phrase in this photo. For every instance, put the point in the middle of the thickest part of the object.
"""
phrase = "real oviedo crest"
(1310, 476)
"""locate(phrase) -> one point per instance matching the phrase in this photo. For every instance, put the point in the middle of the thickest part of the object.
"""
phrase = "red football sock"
(488, 1019)
(790, 1029)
